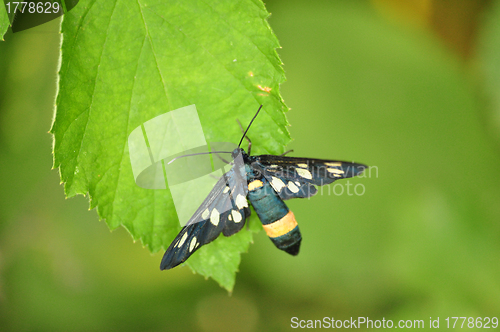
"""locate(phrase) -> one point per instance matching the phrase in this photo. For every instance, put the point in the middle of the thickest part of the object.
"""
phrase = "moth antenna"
(248, 139)
(195, 154)
(286, 152)
(244, 134)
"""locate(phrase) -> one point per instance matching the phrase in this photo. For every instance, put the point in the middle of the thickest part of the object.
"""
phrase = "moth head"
(236, 152)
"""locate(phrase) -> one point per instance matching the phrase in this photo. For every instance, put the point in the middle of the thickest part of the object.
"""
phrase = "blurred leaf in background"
(455, 23)
(421, 241)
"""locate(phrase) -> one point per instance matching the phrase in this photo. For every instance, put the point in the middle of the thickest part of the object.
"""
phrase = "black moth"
(266, 181)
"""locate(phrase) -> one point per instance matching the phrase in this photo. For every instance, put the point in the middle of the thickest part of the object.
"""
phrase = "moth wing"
(219, 212)
(306, 170)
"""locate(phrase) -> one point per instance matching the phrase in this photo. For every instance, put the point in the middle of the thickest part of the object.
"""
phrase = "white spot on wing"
(236, 216)
(241, 201)
(277, 184)
(192, 244)
(215, 217)
(205, 214)
(229, 217)
(333, 164)
(304, 173)
(225, 190)
(183, 238)
(302, 165)
(335, 171)
(293, 188)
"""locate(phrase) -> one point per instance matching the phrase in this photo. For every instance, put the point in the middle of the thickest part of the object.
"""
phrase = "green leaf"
(4, 22)
(124, 63)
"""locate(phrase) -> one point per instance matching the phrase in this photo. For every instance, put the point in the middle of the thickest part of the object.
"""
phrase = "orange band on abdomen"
(281, 226)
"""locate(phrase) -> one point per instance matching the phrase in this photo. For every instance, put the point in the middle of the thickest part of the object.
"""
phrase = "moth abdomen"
(278, 221)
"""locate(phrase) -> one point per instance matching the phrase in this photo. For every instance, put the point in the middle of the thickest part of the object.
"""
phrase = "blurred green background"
(411, 87)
